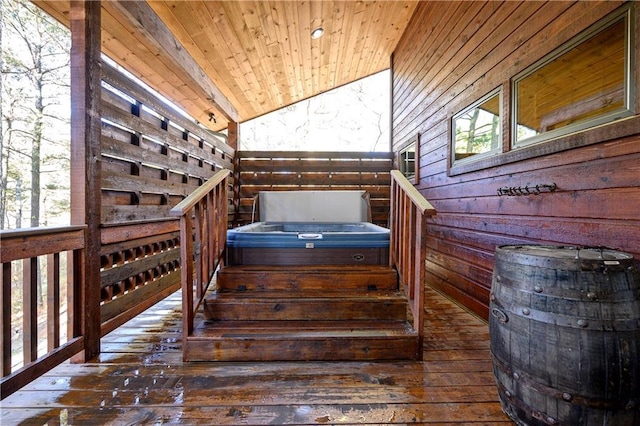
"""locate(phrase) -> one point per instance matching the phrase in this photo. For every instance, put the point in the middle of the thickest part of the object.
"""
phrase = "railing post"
(86, 163)
(233, 133)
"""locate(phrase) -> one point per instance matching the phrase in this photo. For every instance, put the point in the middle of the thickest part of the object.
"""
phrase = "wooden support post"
(86, 168)
(233, 134)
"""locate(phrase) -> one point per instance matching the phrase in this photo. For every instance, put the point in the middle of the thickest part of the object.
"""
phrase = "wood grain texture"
(247, 57)
(153, 157)
(323, 320)
(39, 250)
(439, 70)
(140, 377)
(86, 169)
(314, 171)
(301, 277)
(557, 354)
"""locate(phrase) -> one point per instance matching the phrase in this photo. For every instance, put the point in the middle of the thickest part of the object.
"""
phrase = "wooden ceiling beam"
(147, 23)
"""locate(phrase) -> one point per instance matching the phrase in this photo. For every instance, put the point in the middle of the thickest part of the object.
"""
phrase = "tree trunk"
(472, 131)
(19, 203)
(3, 180)
(4, 171)
(35, 160)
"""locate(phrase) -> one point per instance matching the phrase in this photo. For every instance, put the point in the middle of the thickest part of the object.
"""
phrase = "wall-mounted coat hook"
(526, 190)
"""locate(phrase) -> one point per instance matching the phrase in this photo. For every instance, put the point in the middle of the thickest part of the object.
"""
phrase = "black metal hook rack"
(526, 190)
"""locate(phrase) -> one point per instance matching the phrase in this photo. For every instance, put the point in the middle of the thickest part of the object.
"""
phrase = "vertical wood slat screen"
(313, 171)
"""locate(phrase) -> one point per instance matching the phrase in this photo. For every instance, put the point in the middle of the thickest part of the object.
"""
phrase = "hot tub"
(300, 243)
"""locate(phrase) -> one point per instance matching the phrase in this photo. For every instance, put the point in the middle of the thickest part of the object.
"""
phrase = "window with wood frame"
(476, 129)
(584, 83)
(408, 157)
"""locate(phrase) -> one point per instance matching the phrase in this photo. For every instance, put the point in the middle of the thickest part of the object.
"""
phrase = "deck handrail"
(203, 236)
(37, 247)
(407, 253)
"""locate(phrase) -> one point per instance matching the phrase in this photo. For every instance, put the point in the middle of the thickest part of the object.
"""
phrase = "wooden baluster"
(392, 227)
(411, 252)
(211, 236)
(221, 224)
(197, 233)
(186, 253)
(420, 272)
(5, 298)
(53, 301)
(29, 309)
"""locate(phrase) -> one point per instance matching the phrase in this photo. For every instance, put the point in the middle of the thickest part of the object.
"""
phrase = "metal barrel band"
(525, 379)
(549, 289)
(584, 323)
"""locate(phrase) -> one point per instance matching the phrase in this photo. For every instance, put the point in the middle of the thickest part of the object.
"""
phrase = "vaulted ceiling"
(241, 59)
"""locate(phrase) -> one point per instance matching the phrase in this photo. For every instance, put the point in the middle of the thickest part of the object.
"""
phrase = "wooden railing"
(152, 158)
(408, 224)
(33, 263)
(203, 237)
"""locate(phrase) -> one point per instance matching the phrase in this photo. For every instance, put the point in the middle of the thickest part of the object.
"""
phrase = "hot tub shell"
(301, 243)
(310, 228)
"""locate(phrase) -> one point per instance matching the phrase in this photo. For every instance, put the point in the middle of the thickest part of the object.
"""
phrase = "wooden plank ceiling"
(247, 58)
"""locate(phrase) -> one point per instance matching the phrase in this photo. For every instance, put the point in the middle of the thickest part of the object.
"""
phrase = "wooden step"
(278, 305)
(307, 278)
(303, 341)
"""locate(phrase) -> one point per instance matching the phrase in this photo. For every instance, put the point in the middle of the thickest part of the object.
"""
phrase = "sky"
(354, 117)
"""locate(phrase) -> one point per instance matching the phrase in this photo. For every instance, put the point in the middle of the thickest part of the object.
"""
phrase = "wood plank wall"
(314, 171)
(452, 54)
(152, 157)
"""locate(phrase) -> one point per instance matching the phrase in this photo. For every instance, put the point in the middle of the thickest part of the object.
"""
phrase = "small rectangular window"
(476, 129)
(408, 159)
(583, 84)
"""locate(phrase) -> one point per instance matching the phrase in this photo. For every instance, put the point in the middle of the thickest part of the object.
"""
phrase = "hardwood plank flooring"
(139, 378)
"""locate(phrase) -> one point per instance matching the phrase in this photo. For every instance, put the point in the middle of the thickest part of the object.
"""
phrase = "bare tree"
(353, 117)
(36, 60)
(3, 182)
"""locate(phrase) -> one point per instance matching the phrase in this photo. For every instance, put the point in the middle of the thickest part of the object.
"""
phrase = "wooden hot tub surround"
(301, 312)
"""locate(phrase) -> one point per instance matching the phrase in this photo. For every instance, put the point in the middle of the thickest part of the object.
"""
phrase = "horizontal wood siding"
(451, 55)
(152, 158)
(315, 171)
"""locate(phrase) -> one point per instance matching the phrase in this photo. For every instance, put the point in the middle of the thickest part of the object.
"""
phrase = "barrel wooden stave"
(566, 342)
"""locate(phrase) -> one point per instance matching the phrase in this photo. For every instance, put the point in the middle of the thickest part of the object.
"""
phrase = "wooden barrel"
(565, 335)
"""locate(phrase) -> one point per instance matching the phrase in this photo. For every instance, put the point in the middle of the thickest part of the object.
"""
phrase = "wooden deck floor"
(140, 379)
